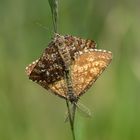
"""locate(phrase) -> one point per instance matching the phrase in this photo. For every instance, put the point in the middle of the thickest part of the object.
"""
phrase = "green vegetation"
(28, 112)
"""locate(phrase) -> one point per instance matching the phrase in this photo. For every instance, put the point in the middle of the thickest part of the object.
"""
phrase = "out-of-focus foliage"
(28, 112)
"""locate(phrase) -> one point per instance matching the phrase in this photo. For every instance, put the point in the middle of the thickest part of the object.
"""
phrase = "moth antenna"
(44, 27)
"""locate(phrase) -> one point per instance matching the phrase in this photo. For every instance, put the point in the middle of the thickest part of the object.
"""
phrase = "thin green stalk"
(54, 9)
(73, 111)
(70, 115)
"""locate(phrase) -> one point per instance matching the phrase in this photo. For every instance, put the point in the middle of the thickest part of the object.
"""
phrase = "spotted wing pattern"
(87, 64)
(85, 70)
(49, 67)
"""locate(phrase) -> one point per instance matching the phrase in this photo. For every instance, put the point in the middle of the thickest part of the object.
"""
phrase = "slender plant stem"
(70, 115)
(54, 10)
(73, 111)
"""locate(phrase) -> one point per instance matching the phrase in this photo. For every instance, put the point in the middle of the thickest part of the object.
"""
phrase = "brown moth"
(86, 64)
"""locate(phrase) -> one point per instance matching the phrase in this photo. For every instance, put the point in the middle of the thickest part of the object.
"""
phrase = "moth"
(65, 53)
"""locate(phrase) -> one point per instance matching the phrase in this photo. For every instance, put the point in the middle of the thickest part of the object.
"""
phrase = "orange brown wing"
(87, 68)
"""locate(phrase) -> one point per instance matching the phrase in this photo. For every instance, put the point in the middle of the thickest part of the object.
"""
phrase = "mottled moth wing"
(87, 68)
(87, 64)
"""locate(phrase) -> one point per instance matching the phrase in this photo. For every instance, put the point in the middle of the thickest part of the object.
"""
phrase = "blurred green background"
(28, 112)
